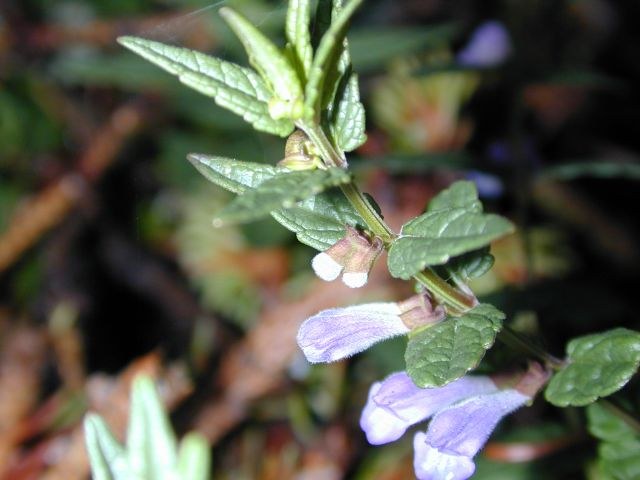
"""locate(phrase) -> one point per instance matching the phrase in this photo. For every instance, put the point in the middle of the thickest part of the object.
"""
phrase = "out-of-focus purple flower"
(355, 254)
(458, 432)
(396, 403)
(489, 46)
(338, 333)
(465, 412)
(489, 186)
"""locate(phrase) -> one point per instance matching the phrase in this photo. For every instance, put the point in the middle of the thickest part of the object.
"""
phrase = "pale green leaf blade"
(194, 458)
(348, 116)
(297, 32)
(328, 53)
(233, 175)
(233, 87)
(268, 60)
(151, 443)
(446, 351)
(320, 221)
(282, 191)
(107, 457)
(603, 424)
(598, 365)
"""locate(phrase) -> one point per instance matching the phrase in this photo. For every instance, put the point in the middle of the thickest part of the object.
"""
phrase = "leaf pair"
(454, 224)
(287, 86)
(318, 219)
(151, 451)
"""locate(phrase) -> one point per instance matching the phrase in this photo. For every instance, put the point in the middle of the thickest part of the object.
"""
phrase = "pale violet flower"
(338, 333)
(396, 403)
(457, 432)
(353, 256)
(464, 412)
(489, 46)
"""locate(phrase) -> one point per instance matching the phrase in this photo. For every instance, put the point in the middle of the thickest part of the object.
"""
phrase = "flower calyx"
(353, 256)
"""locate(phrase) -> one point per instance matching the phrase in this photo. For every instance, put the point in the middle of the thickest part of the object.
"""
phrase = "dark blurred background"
(109, 264)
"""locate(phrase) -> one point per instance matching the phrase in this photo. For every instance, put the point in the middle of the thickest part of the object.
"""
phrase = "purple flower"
(465, 412)
(338, 333)
(396, 403)
(489, 46)
(489, 186)
(458, 432)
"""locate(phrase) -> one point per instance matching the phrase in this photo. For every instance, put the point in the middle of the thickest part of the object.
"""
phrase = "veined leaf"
(347, 116)
(598, 365)
(446, 351)
(233, 87)
(454, 224)
(318, 221)
(233, 175)
(297, 31)
(281, 191)
(471, 265)
(272, 65)
(328, 52)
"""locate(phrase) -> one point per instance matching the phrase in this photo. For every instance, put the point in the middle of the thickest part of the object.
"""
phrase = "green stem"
(444, 292)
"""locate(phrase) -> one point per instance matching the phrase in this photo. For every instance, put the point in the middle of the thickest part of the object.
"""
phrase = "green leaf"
(597, 366)
(444, 352)
(347, 116)
(194, 460)
(619, 451)
(271, 63)
(151, 444)
(471, 265)
(454, 224)
(318, 221)
(233, 87)
(327, 55)
(107, 457)
(297, 32)
(233, 175)
(281, 191)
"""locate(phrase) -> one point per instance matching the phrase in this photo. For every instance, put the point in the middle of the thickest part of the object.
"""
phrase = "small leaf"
(151, 444)
(107, 457)
(270, 62)
(297, 31)
(471, 265)
(233, 87)
(233, 175)
(328, 53)
(348, 117)
(598, 365)
(194, 460)
(318, 221)
(281, 191)
(619, 451)
(446, 351)
(454, 224)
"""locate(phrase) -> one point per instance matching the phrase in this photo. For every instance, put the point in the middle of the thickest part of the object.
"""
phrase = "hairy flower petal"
(458, 432)
(326, 267)
(338, 333)
(431, 464)
(396, 403)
